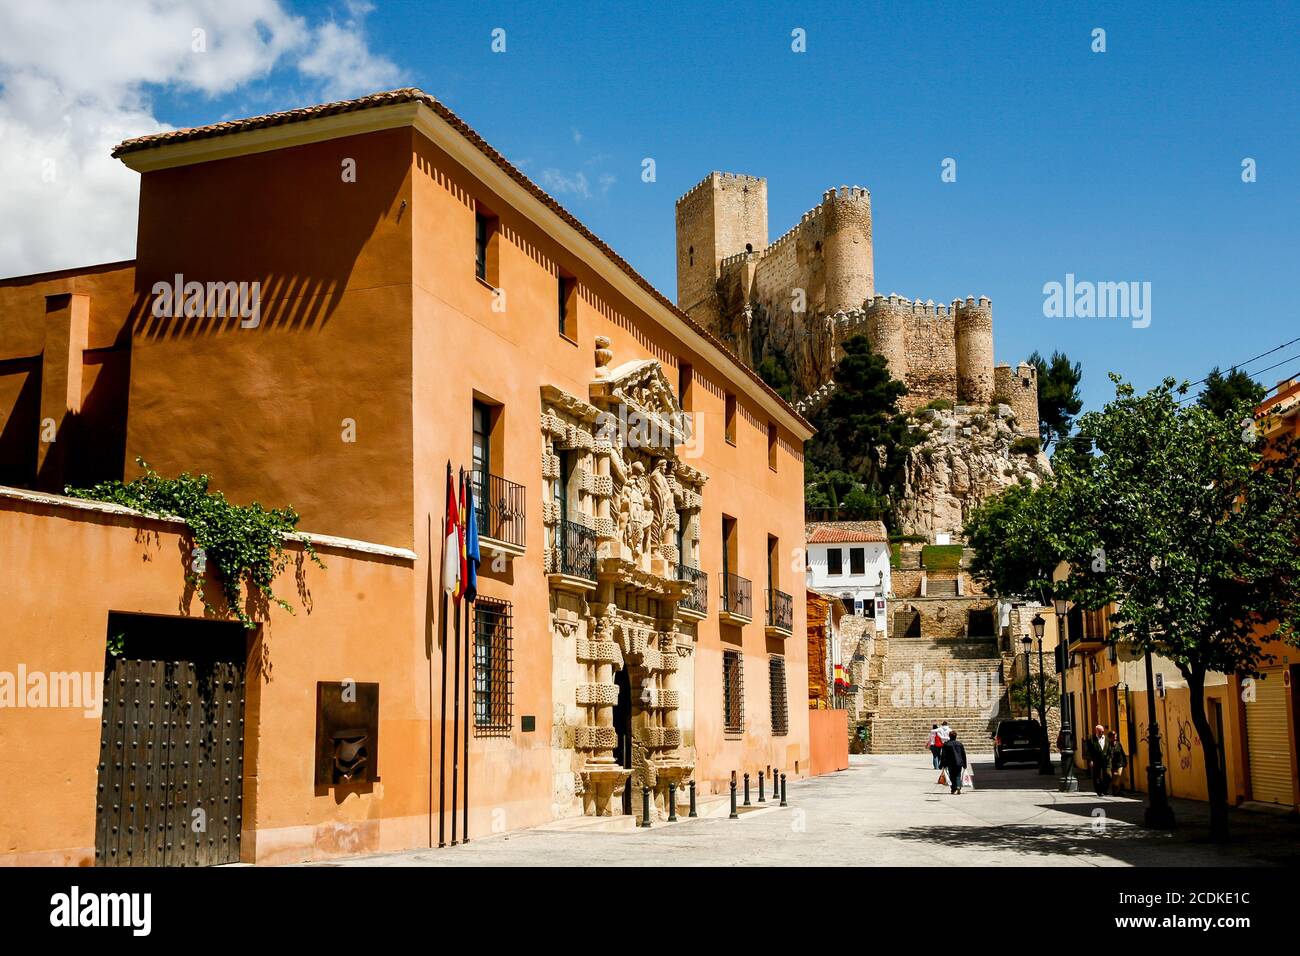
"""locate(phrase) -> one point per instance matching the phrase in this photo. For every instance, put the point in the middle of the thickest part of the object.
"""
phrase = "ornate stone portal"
(622, 513)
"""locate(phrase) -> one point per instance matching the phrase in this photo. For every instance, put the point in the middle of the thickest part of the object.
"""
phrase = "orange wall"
(58, 584)
(828, 740)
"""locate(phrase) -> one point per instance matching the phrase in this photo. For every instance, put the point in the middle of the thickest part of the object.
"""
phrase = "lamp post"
(1045, 753)
(1068, 783)
(1026, 642)
(1159, 814)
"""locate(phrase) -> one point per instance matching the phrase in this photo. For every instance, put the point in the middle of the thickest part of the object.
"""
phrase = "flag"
(460, 543)
(471, 544)
(451, 550)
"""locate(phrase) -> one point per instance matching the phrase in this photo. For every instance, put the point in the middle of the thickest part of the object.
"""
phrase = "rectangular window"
(482, 460)
(834, 561)
(493, 691)
(729, 422)
(857, 560)
(771, 445)
(728, 545)
(780, 708)
(685, 382)
(568, 306)
(773, 562)
(733, 693)
(487, 230)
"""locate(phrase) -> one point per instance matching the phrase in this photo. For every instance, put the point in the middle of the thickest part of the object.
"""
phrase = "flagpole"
(442, 650)
(455, 681)
(469, 703)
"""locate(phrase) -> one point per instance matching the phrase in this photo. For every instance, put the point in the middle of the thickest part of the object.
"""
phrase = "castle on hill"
(796, 299)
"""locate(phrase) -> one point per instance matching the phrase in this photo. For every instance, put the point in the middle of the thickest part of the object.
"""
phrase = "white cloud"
(578, 185)
(75, 80)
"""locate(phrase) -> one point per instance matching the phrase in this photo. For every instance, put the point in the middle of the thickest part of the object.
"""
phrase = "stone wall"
(1018, 387)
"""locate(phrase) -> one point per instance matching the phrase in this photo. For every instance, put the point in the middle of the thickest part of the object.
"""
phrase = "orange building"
(328, 306)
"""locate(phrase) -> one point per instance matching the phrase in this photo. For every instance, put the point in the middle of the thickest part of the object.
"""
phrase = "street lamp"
(1068, 783)
(1159, 813)
(1026, 642)
(1045, 754)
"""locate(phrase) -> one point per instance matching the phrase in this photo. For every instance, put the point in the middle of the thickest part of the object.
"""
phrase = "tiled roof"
(413, 95)
(847, 532)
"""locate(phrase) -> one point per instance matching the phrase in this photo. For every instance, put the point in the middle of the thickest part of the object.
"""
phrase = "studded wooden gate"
(171, 746)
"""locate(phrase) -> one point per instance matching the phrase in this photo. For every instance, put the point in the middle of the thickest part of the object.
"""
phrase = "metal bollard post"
(645, 806)
(693, 813)
(746, 789)
(783, 790)
(762, 775)
(672, 802)
(734, 814)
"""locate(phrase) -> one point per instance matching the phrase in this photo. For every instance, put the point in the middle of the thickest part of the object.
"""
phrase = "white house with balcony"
(850, 559)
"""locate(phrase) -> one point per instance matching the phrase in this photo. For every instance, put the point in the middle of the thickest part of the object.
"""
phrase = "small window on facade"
(690, 256)
(568, 306)
(834, 561)
(729, 422)
(771, 445)
(780, 707)
(486, 229)
(733, 693)
(857, 560)
(493, 690)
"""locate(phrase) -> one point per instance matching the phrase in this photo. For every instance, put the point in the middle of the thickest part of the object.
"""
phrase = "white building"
(850, 559)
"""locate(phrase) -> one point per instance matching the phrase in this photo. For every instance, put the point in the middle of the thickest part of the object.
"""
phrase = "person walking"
(1118, 764)
(953, 759)
(1099, 755)
(935, 744)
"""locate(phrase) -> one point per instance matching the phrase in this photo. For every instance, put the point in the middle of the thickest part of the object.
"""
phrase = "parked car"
(1017, 741)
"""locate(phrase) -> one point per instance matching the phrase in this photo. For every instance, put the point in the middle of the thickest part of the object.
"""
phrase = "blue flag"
(471, 543)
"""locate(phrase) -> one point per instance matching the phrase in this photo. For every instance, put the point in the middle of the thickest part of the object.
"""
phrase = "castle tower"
(973, 329)
(721, 216)
(846, 248)
(886, 331)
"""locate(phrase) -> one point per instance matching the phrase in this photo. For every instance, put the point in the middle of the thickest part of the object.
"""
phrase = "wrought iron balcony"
(575, 546)
(696, 600)
(780, 611)
(502, 512)
(737, 604)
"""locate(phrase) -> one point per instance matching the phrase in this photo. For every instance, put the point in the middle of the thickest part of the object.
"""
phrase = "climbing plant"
(244, 543)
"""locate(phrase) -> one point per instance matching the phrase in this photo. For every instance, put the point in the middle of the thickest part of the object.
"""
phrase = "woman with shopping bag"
(954, 763)
(936, 744)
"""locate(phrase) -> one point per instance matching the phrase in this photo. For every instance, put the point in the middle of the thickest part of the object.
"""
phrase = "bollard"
(672, 802)
(783, 790)
(762, 775)
(734, 814)
(746, 789)
(693, 813)
(645, 806)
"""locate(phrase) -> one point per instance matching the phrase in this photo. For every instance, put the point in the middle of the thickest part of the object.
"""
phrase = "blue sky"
(1115, 166)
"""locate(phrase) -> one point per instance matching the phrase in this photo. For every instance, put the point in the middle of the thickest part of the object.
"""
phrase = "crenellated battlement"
(716, 177)
(846, 194)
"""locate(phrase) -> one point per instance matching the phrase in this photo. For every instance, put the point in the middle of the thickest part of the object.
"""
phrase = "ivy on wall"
(244, 543)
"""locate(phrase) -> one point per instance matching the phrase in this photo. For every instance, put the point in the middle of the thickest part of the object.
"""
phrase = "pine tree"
(1058, 395)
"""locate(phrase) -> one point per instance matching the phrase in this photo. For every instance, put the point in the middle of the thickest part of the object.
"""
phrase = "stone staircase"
(929, 679)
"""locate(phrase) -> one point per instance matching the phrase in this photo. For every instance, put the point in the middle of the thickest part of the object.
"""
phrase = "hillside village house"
(850, 559)
(406, 298)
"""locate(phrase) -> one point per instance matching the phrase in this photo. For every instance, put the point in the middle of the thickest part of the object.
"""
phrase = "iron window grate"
(493, 687)
(733, 693)
(780, 708)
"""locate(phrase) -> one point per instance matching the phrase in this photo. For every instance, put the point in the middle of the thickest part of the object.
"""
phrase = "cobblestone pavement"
(888, 810)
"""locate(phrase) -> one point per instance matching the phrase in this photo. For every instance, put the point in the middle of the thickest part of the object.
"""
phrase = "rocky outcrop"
(964, 457)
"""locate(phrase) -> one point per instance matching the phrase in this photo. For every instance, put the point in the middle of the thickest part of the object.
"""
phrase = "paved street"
(887, 810)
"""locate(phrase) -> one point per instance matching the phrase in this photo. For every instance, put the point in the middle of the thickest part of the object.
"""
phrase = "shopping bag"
(943, 776)
(967, 779)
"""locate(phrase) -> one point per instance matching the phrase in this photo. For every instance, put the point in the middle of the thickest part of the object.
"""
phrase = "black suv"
(1017, 741)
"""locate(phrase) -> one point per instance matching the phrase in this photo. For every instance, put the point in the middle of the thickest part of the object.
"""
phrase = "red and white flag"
(451, 550)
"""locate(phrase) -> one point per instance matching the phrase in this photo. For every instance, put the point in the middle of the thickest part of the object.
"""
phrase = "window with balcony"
(501, 504)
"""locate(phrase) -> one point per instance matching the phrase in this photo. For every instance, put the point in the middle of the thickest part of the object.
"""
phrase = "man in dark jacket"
(1099, 755)
(953, 758)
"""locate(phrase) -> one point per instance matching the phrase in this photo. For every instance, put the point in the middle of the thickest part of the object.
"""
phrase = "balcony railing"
(697, 598)
(780, 610)
(501, 509)
(736, 601)
(576, 547)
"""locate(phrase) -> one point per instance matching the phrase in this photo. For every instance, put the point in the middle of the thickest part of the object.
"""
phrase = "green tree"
(1186, 526)
(1058, 395)
(1224, 393)
(1015, 546)
(775, 370)
(860, 430)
